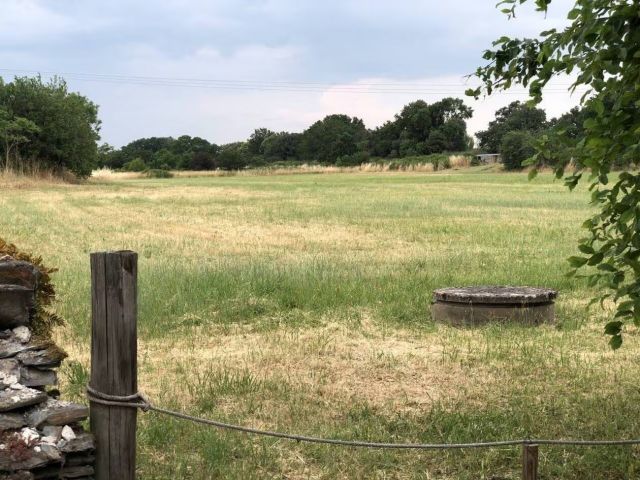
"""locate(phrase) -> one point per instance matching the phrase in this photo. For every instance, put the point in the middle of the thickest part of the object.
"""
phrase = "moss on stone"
(45, 319)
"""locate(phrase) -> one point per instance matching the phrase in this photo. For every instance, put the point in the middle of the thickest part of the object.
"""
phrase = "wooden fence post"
(529, 462)
(114, 361)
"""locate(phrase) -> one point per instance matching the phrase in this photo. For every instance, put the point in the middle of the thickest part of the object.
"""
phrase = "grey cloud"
(293, 40)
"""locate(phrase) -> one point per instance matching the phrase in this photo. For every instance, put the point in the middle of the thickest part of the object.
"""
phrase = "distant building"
(488, 158)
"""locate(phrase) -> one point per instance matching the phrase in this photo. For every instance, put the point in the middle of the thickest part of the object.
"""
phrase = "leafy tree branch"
(601, 46)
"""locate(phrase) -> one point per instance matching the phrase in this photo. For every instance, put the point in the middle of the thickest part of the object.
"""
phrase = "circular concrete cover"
(495, 295)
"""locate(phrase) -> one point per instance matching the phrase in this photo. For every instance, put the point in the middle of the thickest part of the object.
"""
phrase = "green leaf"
(573, 14)
(615, 342)
(586, 249)
(626, 305)
(577, 262)
(595, 259)
(532, 174)
(632, 263)
(598, 106)
(613, 328)
(617, 279)
(607, 267)
(627, 215)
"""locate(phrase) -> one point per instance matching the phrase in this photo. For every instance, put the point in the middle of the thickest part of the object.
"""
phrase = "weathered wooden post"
(114, 361)
(529, 462)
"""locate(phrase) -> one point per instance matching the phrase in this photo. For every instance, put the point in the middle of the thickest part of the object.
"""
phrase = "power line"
(277, 86)
(236, 81)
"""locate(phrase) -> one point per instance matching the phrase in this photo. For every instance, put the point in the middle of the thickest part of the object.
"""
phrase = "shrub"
(355, 159)
(475, 161)
(442, 162)
(233, 156)
(516, 147)
(135, 165)
(158, 173)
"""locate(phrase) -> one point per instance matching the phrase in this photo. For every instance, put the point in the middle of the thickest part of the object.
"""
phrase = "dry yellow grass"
(11, 179)
(459, 161)
(107, 174)
(345, 360)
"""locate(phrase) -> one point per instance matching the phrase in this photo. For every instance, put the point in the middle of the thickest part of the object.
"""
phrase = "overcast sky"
(220, 68)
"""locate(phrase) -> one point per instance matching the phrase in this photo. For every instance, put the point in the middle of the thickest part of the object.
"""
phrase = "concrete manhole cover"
(483, 304)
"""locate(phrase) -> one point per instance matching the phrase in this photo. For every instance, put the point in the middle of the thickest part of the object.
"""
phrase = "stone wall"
(40, 435)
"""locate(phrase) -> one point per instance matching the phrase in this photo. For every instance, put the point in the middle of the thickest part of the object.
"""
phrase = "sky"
(218, 69)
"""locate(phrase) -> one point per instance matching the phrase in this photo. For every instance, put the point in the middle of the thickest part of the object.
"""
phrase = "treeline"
(519, 128)
(419, 129)
(43, 126)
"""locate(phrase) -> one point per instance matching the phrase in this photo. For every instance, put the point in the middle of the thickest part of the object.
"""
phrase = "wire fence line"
(140, 401)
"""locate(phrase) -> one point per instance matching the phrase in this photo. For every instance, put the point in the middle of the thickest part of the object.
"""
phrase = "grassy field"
(301, 303)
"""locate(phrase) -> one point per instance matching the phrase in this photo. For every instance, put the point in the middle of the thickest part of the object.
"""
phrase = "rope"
(138, 400)
(331, 441)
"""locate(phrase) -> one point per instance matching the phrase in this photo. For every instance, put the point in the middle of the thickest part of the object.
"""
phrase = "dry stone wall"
(41, 436)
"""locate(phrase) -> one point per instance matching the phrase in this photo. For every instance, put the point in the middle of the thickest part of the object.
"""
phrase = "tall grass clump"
(459, 161)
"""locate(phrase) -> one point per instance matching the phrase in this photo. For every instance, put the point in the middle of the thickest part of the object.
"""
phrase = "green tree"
(422, 128)
(564, 146)
(449, 108)
(281, 146)
(164, 159)
(385, 140)
(454, 131)
(184, 152)
(515, 116)
(14, 131)
(194, 153)
(601, 45)
(572, 122)
(516, 147)
(146, 148)
(233, 156)
(105, 153)
(68, 123)
(415, 122)
(332, 137)
(436, 143)
(254, 144)
(201, 160)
